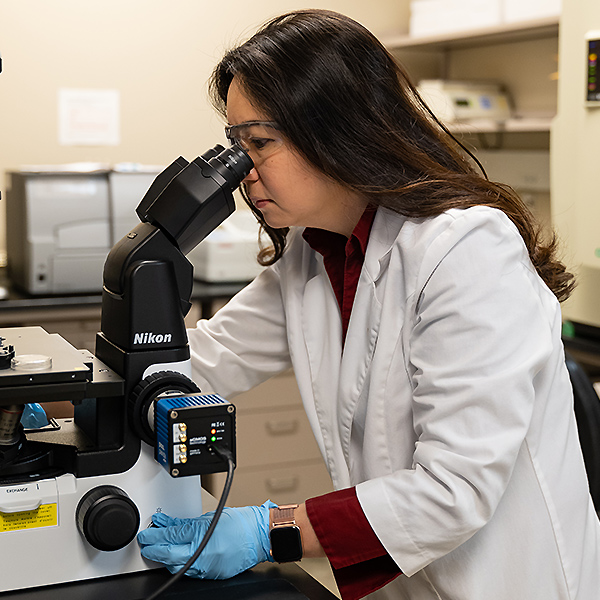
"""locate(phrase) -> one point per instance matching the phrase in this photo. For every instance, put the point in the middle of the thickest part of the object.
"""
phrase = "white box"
(523, 170)
(229, 252)
(515, 11)
(435, 17)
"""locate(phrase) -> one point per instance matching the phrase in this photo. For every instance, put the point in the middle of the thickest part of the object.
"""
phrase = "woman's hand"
(239, 542)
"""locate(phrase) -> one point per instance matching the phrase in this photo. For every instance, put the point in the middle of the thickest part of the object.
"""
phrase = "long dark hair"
(349, 108)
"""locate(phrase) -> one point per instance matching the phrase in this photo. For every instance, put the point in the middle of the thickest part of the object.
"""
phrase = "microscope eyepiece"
(232, 163)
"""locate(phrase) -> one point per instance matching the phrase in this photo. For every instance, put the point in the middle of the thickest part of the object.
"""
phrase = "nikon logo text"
(151, 338)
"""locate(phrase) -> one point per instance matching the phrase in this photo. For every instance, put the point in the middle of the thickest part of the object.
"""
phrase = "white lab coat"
(449, 407)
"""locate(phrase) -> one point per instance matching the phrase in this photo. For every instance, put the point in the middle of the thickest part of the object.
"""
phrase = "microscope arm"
(147, 279)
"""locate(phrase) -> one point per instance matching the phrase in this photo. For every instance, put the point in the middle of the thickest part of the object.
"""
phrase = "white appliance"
(127, 184)
(229, 252)
(63, 220)
(465, 101)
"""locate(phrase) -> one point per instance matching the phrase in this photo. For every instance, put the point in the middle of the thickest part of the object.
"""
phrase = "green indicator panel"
(593, 68)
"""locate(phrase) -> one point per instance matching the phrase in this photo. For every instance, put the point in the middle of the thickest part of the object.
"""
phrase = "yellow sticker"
(44, 516)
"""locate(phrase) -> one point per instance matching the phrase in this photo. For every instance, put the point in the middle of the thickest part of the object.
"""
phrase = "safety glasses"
(259, 139)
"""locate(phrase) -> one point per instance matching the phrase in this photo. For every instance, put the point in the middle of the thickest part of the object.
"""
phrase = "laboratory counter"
(77, 316)
(265, 582)
(13, 300)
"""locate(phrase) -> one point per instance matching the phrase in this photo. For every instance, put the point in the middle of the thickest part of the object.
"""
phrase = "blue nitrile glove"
(239, 542)
(34, 416)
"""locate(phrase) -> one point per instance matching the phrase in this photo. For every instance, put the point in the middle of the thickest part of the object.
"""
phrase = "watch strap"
(284, 515)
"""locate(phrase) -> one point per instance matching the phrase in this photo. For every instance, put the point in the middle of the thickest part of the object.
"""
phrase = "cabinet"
(277, 455)
(523, 57)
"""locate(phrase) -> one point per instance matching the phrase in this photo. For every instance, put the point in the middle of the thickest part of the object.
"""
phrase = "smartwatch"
(286, 541)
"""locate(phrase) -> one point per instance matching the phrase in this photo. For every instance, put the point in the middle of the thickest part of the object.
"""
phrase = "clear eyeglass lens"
(259, 140)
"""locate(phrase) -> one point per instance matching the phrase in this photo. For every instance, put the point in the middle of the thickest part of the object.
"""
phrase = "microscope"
(73, 495)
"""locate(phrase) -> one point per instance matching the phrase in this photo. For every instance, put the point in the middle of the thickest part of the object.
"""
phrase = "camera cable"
(225, 454)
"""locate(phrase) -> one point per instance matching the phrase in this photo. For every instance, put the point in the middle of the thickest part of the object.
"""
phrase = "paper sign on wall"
(88, 117)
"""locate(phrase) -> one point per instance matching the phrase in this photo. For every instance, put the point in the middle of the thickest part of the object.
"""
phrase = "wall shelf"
(513, 125)
(505, 33)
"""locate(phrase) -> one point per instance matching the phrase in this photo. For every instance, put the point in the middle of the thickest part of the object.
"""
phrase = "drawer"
(280, 391)
(276, 437)
(282, 485)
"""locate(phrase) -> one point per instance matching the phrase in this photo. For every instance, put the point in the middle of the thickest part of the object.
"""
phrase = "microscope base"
(43, 545)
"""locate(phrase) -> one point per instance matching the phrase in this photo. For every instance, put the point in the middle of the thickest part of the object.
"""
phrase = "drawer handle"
(282, 427)
(282, 484)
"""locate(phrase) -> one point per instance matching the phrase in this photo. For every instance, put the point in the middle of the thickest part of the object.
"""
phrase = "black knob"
(107, 518)
(7, 353)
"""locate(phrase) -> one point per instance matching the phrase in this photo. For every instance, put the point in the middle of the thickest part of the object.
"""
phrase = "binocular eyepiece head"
(188, 200)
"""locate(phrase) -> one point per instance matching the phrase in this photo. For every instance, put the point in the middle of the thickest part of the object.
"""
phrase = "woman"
(419, 308)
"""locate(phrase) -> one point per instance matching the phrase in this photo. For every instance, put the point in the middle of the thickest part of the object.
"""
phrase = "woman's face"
(286, 189)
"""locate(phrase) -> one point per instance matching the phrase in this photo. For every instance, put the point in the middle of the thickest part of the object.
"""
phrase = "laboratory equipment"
(63, 220)
(229, 252)
(592, 39)
(462, 101)
(73, 495)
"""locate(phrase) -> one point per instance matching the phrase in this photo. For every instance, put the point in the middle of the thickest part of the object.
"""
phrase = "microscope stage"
(40, 358)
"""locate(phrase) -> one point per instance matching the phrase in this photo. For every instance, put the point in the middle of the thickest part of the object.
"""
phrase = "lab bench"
(76, 317)
(266, 581)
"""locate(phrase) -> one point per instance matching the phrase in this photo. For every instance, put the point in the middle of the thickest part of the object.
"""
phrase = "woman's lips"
(260, 203)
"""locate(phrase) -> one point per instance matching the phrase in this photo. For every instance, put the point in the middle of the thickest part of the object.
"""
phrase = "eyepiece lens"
(238, 164)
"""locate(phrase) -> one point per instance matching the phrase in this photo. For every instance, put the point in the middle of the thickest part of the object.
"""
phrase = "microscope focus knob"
(107, 518)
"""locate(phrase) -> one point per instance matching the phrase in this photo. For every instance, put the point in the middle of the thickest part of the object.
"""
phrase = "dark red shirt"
(343, 259)
(359, 561)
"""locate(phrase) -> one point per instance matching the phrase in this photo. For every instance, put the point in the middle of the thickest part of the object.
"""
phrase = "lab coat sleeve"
(245, 343)
(480, 333)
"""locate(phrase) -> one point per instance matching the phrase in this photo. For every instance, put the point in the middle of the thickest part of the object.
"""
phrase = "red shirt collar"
(343, 259)
(323, 241)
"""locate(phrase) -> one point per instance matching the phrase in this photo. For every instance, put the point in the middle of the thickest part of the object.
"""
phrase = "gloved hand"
(239, 542)
(34, 416)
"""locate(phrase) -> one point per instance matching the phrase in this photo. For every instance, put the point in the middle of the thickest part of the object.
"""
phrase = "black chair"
(587, 413)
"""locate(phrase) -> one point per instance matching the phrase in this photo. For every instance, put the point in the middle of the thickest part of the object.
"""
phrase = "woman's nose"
(252, 176)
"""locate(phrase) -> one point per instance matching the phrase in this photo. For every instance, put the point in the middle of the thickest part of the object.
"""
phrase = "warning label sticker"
(44, 516)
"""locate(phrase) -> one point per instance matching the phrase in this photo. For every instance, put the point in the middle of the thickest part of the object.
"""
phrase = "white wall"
(574, 167)
(158, 53)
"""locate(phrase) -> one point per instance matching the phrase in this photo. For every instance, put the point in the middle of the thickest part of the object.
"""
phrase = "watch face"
(286, 544)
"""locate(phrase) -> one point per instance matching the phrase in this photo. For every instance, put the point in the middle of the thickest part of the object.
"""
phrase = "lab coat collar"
(384, 231)
(339, 378)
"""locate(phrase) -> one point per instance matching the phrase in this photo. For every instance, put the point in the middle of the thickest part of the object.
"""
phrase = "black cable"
(226, 455)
